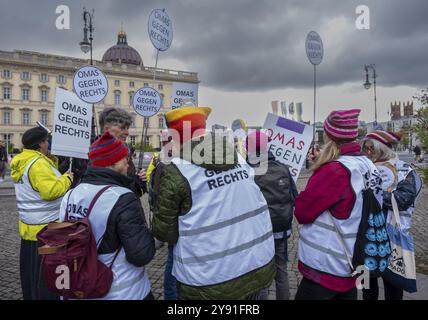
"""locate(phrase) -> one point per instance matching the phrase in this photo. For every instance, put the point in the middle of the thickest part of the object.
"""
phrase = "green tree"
(421, 128)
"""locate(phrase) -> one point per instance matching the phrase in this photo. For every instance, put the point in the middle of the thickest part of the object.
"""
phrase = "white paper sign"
(147, 101)
(290, 141)
(160, 29)
(90, 84)
(72, 125)
(182, 92)
(314, 48)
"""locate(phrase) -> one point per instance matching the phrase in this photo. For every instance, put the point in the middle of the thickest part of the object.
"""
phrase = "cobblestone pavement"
(10, 242)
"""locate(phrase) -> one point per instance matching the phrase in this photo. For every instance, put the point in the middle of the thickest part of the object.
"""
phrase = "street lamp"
(86, 46)
(367, 85)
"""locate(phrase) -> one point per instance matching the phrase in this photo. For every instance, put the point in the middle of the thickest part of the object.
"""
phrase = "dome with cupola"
(122, 52)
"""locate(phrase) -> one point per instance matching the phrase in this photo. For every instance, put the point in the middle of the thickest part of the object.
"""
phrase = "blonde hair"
(330, 152)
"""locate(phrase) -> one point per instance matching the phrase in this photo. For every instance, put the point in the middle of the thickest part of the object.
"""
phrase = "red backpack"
(69, 258)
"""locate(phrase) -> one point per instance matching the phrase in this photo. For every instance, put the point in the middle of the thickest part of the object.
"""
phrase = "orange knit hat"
(197, 116)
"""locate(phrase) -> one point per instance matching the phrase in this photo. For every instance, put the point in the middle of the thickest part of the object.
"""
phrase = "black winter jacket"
(126, 225)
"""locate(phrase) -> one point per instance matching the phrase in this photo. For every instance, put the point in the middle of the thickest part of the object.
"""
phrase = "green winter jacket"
(173, 199)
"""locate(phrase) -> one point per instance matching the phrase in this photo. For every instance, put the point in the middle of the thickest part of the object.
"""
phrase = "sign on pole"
(71, 134)
(183, 92)
(160, 29)
(315, 54)
(147, 102)
(90, 84)
(314, 48)
(290, 141)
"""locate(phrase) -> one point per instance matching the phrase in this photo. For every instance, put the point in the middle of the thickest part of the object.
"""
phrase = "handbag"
(401, 271)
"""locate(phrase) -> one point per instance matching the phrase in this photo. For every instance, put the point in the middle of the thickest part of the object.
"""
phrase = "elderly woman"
(398, 178)
(331, 205)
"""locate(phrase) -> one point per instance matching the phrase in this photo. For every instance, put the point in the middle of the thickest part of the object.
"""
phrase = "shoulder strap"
(99, 193)
(91, 205)
(395, 219)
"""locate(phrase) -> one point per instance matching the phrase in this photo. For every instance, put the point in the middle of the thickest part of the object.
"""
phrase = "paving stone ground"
(10, 244)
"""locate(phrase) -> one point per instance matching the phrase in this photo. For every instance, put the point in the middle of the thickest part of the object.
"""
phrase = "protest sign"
(182, 92)
(314, 48)
(71, 134)
(90, 84)
(290, 141)
(147, 101)
(160, 29)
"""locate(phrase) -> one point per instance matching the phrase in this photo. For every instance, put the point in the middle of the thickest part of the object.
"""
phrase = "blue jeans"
(169, 282)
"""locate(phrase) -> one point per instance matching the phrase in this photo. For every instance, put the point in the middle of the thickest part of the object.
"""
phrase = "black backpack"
(276, 187)
(372, 247)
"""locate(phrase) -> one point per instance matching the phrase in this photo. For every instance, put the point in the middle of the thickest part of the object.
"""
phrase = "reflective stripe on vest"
(227, 232)
(32, 209)
(129, 282)
(319, 244)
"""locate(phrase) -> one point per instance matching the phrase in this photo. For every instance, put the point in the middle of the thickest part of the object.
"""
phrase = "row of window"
(44, 119)
(25, 94)
(133, 139)
(161, 123)
(61, 79)
(132, 84)
(25, 118)
(118, 95)
(26, 75)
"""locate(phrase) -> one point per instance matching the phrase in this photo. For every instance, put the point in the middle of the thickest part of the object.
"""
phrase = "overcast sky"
(250, 52)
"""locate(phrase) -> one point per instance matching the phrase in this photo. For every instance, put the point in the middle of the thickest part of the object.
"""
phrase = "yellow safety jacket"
(33, 171)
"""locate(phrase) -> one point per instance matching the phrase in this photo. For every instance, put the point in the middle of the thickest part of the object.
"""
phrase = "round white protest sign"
(160, 29)
(146, 102)
(314, 48)
(90, 84)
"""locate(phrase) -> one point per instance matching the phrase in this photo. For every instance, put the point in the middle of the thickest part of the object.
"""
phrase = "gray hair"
(114, 116)
(381, 152)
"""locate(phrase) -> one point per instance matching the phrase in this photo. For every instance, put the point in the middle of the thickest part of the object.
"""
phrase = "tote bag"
(401, 271)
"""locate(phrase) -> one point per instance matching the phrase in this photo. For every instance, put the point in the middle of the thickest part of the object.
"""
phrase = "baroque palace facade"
(28, 81)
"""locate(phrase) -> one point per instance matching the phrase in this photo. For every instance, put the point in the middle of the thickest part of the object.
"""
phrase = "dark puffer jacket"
(174, 199)
(126, 225)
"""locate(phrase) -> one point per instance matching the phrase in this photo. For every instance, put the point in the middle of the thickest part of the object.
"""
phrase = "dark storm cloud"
(246, 45)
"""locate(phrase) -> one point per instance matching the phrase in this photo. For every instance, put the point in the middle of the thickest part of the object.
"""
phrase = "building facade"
(28, 81)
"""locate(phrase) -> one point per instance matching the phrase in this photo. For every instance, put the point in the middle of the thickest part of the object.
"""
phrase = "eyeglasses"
(368, 149)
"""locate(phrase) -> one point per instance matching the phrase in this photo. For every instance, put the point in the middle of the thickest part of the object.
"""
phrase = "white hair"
(381, 152)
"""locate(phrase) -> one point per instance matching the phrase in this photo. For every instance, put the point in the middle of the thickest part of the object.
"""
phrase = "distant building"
(28, 81)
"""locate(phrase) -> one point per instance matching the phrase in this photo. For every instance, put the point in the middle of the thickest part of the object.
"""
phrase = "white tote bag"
(401, 271)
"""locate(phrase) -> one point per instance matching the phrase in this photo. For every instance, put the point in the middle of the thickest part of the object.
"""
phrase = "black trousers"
(391, 292)
(309, 290)
(32, 280)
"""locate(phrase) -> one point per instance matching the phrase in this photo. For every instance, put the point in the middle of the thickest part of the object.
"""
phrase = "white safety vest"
(320, 247)
(32, 209)
(228, 232)
(129, 282)
(403, 170)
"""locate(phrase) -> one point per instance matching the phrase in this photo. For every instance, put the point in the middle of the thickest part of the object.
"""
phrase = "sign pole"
(315, 100)
(315, 54)
(146, 123)
(160, 34)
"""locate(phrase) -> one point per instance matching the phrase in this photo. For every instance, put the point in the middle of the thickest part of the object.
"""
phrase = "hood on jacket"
(102, 176)
(211, 151)
(21, 161)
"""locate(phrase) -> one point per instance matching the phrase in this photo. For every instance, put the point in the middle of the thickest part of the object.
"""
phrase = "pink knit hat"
(386, 137)
(342, 125)
(257, 142)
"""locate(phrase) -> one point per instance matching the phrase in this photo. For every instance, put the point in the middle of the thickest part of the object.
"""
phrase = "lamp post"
(86, 46)
(367, 84)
